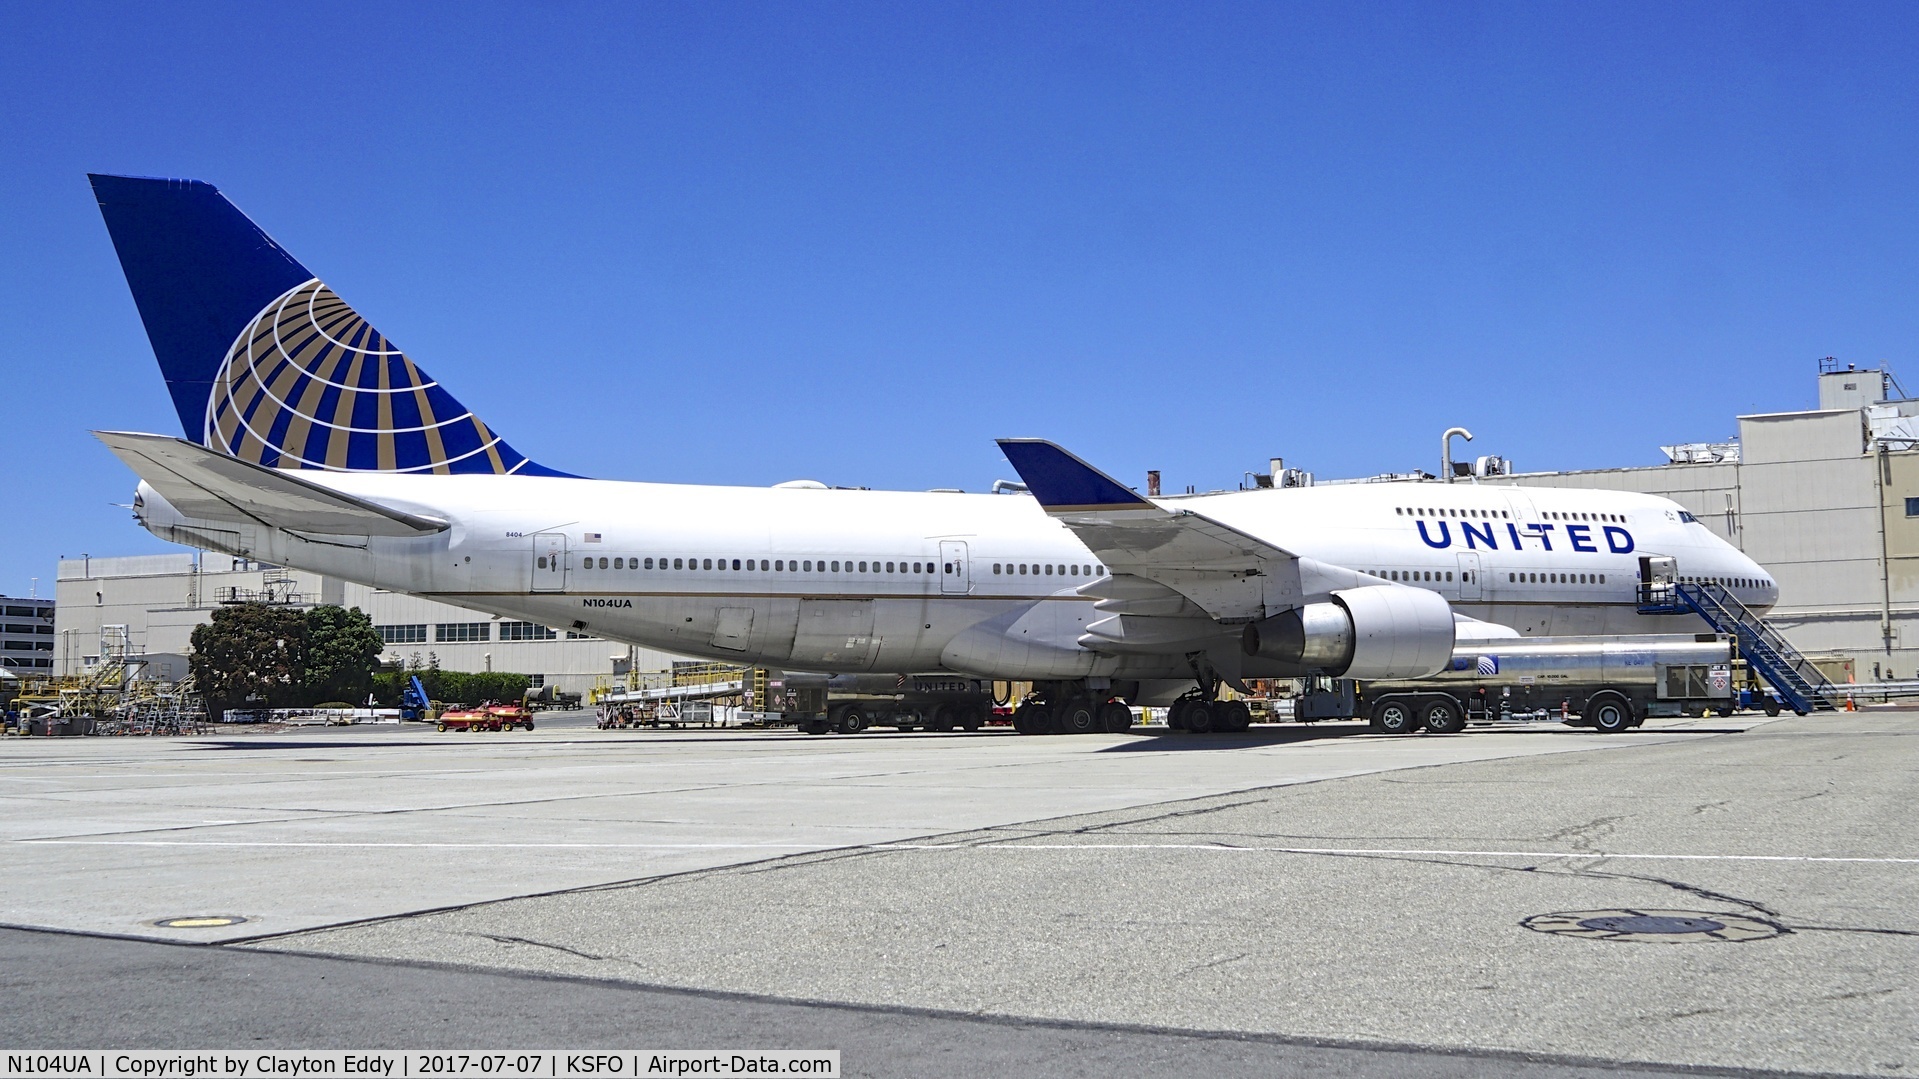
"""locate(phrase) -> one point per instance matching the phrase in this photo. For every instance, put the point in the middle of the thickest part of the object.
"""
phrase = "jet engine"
(1379, 631)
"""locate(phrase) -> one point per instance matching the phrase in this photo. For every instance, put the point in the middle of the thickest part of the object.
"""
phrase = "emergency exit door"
(549, 562)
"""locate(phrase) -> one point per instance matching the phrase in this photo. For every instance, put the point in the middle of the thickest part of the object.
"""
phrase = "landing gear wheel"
(1441, 715)
(1609, 714)
(1116, 717)
(1033, 717)
(1395, 715)
(1078, 716)
(1176, 715)
(1200, 717)
(1232, 716)
(848, 719)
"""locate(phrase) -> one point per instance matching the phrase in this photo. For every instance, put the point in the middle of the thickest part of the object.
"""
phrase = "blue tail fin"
(265, 362)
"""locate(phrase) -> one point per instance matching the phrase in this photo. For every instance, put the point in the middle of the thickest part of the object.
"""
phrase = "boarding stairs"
(1762, 646)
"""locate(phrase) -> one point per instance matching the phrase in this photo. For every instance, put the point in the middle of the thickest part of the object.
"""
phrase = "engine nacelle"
(1380, 631)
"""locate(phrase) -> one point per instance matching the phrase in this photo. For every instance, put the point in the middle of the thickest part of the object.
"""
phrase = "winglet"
(1063, 482)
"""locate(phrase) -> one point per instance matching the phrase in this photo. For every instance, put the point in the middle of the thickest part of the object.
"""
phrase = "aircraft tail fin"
(266, 363)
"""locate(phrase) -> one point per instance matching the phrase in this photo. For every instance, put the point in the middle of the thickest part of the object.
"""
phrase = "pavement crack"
(502, 938)
(1218, 961)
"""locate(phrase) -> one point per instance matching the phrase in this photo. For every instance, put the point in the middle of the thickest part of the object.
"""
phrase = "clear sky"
(744, 243)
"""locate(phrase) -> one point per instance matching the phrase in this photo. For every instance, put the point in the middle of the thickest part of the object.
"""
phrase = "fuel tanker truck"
(1610, 684)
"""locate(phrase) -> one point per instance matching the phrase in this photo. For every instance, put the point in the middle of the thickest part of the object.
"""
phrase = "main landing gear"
(1072, 710)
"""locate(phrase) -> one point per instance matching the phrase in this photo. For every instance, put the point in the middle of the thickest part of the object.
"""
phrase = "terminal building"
(145, 607)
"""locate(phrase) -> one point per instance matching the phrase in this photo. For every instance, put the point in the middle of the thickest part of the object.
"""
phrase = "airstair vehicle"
(1763, 647)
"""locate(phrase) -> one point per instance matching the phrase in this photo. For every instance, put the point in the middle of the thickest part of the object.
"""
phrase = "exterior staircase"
(1765, 648)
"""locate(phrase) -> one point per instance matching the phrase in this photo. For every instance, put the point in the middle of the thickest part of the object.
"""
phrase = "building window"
(456, 632)
(1912, 507)
(525, 631)
(572, 636)
(414, 634)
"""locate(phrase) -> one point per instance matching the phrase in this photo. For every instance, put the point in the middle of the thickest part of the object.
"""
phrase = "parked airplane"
(315, 443)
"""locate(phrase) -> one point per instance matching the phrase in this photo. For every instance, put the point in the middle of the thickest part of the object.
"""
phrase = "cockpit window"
(1684, 516)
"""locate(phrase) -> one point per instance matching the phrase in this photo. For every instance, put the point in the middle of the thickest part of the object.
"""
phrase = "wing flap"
(210, 485)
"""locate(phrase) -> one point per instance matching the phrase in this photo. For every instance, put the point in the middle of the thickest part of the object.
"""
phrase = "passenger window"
(889, 567)
(1022, 569)
(619, 563)
(1602, 578)
(1449, 576)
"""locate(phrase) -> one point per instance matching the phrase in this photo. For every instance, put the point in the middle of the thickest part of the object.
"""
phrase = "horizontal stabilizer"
(210, 485)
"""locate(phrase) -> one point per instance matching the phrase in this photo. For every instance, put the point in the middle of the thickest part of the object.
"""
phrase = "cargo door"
(835, 633)
(1469, 582)
(549, 562)
(735, 628)
(955, 579)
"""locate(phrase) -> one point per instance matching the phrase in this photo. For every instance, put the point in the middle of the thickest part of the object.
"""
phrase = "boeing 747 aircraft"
(314, 442)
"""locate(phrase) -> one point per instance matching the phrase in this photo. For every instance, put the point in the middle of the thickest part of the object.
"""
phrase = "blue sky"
(744, 243)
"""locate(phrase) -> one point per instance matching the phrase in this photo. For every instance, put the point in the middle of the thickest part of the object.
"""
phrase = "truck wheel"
(970, 718)
(815, 726)
(1609, 713)
(1116, 717)
(1232, 716)
(1394, 715)
(1441, 715)
(849, 719)
(1771, 706)
(1200, 717)
(442, 728)
(942, 720)
(1078, 716)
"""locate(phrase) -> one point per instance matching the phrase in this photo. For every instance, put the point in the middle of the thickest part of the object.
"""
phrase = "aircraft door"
(549, 562)
(1469, 582)
(954, 578)
(1657, 573)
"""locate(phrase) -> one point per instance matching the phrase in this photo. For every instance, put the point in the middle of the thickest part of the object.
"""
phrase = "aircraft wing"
(208, 484)
(1228, 574)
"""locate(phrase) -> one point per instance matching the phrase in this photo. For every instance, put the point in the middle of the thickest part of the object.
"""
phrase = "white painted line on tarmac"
(1215, 848)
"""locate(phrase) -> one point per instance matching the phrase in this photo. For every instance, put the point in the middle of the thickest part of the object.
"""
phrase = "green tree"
(251, 654)
(343, 650)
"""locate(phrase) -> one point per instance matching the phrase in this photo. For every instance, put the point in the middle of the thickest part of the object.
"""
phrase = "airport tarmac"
(1418, 904)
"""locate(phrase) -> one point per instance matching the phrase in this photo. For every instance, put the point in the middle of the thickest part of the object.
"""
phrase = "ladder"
(1765, 648)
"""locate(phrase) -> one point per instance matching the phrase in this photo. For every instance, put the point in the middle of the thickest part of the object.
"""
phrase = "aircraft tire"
(1116, 717)
(1201, 717)
(1031, 717)
(1233, 716)
(1395, 715)
(1176, 715)
(1078, 716)
(1609, 713)
(1441, 715)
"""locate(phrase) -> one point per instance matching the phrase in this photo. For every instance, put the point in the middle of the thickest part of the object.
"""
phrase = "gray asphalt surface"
(66, 990)
(1404, 923)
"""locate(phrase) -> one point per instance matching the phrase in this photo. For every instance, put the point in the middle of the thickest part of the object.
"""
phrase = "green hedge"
(452, 687)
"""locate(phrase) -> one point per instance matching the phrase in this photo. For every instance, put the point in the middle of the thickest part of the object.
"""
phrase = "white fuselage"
(836, 580)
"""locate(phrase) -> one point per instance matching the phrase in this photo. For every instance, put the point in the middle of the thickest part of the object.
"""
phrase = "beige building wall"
(161, 598)
(1821, 504)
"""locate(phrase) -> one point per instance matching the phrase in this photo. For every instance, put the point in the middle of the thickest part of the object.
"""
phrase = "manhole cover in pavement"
(200, 921)
(1662, 926)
